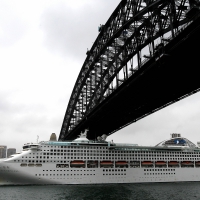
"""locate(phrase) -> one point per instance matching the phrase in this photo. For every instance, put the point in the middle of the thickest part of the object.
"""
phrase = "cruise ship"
(83, 161)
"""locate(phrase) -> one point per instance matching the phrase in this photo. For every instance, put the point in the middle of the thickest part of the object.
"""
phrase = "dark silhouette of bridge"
(145, 57)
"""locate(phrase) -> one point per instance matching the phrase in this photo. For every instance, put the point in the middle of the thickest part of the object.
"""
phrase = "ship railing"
(125, 144)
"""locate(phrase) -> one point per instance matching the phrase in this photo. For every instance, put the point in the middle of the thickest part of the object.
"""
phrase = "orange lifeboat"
(160, 163)
(121, 163)
(173, 163)
(187, 163)
(146, 163)
(197, 163)
(106, 163)
(77, 163)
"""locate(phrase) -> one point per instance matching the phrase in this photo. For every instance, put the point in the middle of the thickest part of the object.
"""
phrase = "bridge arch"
(136, 32)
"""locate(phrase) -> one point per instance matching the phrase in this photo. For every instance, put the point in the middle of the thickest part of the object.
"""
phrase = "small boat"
(38, 165)
(160, 163)
(77, 163)
(146, 163)
(31, 165)
(92, 164)
(121, 163)
(173, 163)
(23, 165)
(197, 163)
(134, 163)
(106, 163)
(187, 163)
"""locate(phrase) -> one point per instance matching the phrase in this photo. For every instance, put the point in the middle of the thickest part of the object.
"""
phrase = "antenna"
(37, 138)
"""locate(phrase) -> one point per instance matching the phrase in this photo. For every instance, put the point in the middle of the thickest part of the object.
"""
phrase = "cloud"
(70, 30)
(13, 27)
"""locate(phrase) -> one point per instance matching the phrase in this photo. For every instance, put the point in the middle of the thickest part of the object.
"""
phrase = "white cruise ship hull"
(10, 174)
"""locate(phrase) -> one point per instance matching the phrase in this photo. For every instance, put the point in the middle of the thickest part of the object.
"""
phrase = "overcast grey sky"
(43, 45)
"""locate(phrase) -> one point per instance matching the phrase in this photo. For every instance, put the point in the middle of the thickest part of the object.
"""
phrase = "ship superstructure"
(82, 161)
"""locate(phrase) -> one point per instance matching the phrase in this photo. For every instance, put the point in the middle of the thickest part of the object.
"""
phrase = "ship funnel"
(53, 137)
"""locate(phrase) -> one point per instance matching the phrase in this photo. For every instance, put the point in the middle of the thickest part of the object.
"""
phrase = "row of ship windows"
(81, 170)
(113, 170)
(54, 159)
(64, 178)
(159, 173)
(114, 174)
(64, 174)
(79, 174)
(105, 158)
(120, 152)
(74, 147)
(125, 153)
(159, 170)
(107, 155)
(105, 148)
(71, 170)
(40, 161)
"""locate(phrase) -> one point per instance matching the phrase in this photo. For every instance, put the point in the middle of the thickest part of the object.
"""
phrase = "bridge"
(145, 57)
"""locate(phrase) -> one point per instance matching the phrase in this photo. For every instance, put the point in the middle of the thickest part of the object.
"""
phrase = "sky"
(43, 45)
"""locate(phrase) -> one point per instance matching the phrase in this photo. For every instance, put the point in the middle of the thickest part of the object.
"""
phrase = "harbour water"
(147, 191)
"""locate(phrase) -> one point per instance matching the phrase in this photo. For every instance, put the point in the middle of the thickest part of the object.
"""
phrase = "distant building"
(3, 150)
(10, 152)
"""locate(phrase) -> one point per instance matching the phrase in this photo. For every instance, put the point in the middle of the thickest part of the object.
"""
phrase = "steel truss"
(135, 32)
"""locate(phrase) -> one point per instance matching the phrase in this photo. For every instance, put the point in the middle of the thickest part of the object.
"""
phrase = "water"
(147, 191)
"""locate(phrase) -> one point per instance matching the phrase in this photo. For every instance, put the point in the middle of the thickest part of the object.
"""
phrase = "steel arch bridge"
(137, 35)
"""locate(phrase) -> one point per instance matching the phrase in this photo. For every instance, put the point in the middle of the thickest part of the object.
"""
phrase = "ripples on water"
(150, 191)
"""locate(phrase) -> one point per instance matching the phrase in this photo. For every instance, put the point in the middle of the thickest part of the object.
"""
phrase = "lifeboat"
(23, 165)
(160, 163)
(77, 163)
(134, 163)
(92, 164)
(121, 163)
(197, 163)
(106, 163)
(31, 165)
(146, 163)
(173, 163)
(187, 163)
(38, 165)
